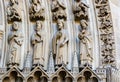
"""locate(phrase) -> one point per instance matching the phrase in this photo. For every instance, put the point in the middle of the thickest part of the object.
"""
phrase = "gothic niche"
(37, 42)
(87, 77)
(13, 11)
(62, 77)
(13, 77)
(36, 11)
(15, 40)
(60, 44)
(58, 10)
(37, 77)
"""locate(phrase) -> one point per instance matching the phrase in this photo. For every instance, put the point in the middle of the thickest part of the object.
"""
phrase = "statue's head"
(12, 2)
(38, 25)
(35, 1)
(60, 24)
(15, 26)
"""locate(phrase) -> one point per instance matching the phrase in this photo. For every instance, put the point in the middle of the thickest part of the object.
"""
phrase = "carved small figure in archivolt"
(58, 9)
(37, 42)
(37, 11)
(85, 48)
(103, 11)
(15, 43)
(60, 44)
(13, 11)
(107, 49)
(106, 25)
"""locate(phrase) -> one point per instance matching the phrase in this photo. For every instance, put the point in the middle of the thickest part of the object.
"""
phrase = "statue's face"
(15, 26)
(38, 25)
(12, 1)
(60, 25)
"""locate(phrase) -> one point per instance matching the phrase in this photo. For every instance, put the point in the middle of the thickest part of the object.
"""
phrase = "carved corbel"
(36, 11)
(58, 10)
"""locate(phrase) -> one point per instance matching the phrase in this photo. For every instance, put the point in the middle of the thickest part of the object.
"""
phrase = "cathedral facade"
(59, 41)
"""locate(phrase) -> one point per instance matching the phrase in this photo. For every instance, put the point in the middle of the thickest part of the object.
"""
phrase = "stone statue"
(85, 48)
(80, 10)
(58, 9)
(37, 42)
(36, 11)
(106, 25)
(103, 11)
(15, 43)
(60, 44)
(13, 11)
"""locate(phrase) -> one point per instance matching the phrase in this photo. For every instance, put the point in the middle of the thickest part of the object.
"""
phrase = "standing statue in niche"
(37, 41)
(80, 11)
(15, 41)
(60, 44)
(85, 48)
(58, 9)
(36, 11)
(13, 11)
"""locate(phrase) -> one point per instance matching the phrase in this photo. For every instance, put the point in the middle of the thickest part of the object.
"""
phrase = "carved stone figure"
(58, 9)
(85, 48)
(37, 11)
(15, 43)
(13, 11)
(80, 10)
(37, 41)
(103, 11)
(60, 44)
(107, 49)
(106, 25)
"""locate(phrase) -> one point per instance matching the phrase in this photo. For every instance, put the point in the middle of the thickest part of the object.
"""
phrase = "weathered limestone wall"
(115, 8)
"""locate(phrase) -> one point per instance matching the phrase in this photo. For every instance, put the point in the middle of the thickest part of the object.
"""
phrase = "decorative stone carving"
(101, 1)
(106, 25)
(103, 11)
(15, 42)
(75, 68)
(106, 32)
(36, 11)
(85, 48)
(13, 11)
(107, 49)
(60, 43)
(58, 9)
(37, 41)
(51, 68)
(80, 10)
